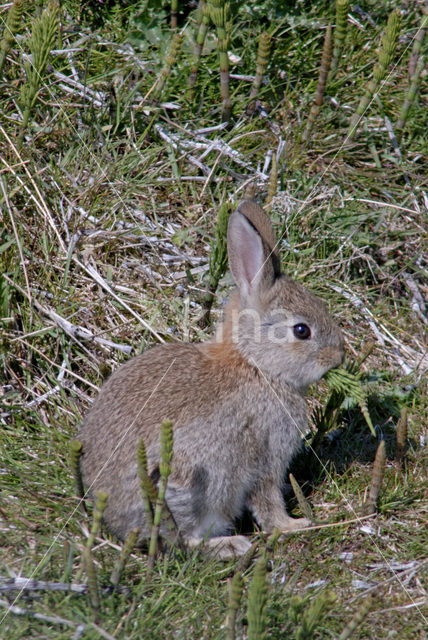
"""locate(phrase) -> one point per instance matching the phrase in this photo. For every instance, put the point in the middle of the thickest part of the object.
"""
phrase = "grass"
(108, 214)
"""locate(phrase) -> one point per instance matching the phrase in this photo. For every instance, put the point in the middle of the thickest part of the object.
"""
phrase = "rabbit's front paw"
(230, 547)
(222, 547)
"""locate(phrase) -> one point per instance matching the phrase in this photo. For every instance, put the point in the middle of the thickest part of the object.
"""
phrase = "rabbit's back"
(175, 382)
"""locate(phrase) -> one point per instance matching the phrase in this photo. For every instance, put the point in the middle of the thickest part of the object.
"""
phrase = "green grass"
(99, 191)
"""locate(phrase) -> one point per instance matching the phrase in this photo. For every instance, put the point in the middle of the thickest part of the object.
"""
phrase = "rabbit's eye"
(301, 331)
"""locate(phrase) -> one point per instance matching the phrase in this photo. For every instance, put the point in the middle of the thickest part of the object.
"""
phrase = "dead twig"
(20, 611)
(19, 583)
(74, 331)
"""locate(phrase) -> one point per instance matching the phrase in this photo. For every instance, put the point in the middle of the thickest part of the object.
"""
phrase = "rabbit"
(237, 404)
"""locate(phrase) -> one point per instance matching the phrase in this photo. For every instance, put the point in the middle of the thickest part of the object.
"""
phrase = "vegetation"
(116, 179)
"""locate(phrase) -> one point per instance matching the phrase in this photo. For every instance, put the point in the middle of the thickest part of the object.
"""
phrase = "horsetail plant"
(165, 469)
(75, 455)
(257, 601)
(303, 503)
(149, 495)
(204, 13)
(148, 489)
(101, 499)
(44, 34)
(219, 14)
(170, 61)
(401, 437)
(369, 506)
(357, 618)
(313, 614)
(174, 14)
(322, 81)
(91, 574)
(340, 30)
(127, 549)
(417, 43)
(235, 587)
(342, 383)
(12, 26)
(245, 561)
(263, 54)
(411, 93)
(218, 261)
(272, 184)
(386, 54)
(347, 382)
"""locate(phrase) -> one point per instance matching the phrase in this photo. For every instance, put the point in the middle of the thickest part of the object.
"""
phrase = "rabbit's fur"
(236, 403)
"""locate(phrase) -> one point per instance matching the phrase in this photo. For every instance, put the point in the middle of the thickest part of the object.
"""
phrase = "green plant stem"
(357, 618)
(411, 93)
(149, 495)
(100, 506)
(377, 478)
(11, 28)
(43, 36)
(75, 455)
(322, 80)
(313, 614)
(91, 573)
(272, 184)
(340, 30)
(303, 503)
(386, 54)
(170, 61)
(342, 382)
(263, 54)
(418, 43)
(165, 470)
(235, 587)
(218, 261)
(174, 14)
(128, 547)
(401, 437)
(148, 489)
(219, 14)
(199, 44)
(257, 601)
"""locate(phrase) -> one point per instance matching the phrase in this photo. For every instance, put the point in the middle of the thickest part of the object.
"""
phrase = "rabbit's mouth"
(330, 358)
(310, 372)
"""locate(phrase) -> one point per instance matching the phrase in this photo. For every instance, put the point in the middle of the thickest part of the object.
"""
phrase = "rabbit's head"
(274, 322)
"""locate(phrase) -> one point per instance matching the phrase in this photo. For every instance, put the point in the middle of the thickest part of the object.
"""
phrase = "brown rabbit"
(236, 402)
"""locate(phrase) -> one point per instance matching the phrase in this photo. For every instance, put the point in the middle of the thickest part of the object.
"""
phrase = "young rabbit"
(236, 403)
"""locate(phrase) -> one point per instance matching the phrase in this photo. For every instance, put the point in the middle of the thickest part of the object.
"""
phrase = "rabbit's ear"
(250, 259)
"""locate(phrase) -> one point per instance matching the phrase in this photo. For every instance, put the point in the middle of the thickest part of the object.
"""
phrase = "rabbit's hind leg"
(294, 524)
(267, 506)
(200, 524)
